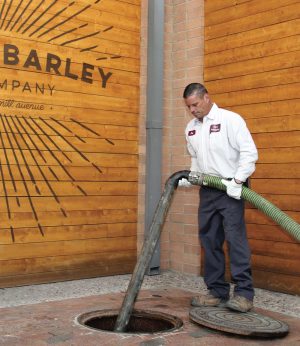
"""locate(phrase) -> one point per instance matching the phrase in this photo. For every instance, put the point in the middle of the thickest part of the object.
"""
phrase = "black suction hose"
(147, 250)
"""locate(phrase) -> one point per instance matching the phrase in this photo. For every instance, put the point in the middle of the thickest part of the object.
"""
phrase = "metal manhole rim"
(85, 316)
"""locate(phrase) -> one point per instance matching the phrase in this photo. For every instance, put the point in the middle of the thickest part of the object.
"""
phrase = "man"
(220, 144)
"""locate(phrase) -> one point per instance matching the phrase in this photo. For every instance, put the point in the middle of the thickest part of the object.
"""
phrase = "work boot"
(207, 300)
(239, 303)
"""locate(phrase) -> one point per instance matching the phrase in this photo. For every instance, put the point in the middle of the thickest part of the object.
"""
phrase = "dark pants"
(222, 217)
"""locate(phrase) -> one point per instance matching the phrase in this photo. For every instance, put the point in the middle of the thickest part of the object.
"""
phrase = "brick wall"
(142, 124)
(184, 23)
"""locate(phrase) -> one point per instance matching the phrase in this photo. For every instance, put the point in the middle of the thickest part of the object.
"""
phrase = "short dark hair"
(194, 88)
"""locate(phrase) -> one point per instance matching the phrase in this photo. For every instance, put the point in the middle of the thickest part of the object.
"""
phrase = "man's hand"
(184, 183)
(233, 189)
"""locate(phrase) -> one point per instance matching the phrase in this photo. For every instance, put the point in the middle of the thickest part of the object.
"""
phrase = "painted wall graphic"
(69, 87)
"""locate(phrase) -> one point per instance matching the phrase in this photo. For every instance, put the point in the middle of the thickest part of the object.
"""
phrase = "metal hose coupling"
(196, 178)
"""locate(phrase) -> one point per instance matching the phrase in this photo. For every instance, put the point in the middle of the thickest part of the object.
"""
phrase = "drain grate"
(141, 321)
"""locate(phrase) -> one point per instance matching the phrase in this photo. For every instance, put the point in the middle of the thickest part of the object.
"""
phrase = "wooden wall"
(69, 96)
(252, 67)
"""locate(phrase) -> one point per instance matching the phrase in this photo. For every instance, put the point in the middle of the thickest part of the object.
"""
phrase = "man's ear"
(206, 98)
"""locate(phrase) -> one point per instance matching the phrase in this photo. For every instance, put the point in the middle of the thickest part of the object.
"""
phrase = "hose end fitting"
(196, 178)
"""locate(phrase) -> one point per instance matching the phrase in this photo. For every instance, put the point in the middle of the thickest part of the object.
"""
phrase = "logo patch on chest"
(215, 128)
(192, 133)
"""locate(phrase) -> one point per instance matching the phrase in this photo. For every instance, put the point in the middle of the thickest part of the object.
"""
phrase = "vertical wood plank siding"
(69, 100)
(252, 67)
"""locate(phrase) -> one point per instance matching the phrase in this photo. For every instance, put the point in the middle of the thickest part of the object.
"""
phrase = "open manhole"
(141, 321)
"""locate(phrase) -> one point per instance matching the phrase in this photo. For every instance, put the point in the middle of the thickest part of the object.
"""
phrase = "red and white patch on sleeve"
(191, 132)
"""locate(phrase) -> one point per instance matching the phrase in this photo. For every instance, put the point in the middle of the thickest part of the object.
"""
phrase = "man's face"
(198, 106)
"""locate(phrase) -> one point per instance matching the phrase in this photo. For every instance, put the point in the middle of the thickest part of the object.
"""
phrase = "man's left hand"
(233, 189)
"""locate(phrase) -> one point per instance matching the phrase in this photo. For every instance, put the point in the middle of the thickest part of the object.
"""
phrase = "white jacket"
(221, 145)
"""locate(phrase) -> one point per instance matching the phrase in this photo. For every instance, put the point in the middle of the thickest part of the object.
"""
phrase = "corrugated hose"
(268, 208)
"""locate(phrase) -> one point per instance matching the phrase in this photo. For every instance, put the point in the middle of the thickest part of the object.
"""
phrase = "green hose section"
(268, 208)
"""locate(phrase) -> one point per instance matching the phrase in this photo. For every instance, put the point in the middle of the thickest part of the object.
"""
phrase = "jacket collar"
(211, 115)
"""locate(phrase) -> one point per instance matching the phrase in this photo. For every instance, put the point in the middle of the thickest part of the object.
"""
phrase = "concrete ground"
(46, 314)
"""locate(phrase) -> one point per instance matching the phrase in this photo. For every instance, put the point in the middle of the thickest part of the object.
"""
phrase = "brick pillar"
(142, 125)
(184, 23)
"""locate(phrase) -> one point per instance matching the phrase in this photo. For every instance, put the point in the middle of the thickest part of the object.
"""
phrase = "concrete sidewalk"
(272, 301)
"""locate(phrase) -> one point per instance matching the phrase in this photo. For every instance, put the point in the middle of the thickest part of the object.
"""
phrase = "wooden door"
(69, 96)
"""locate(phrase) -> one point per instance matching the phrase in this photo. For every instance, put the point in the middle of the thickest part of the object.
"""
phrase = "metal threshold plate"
(249, 323)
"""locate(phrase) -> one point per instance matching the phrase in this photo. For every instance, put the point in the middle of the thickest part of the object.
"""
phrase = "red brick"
(185, 218)
(190, 229)
(195, 23)
(195, 52)
(192, 249)
(191, 259)
(190, 209)
(175, 265)
(179, 17)
(179, 238)
(164, 264)
(191, 269)
(195, 32)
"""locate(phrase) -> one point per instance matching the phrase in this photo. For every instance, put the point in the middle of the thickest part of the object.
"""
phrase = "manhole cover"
(250, 323)
(141, 321)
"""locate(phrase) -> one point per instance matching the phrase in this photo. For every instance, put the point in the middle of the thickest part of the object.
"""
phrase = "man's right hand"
(183, 182)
